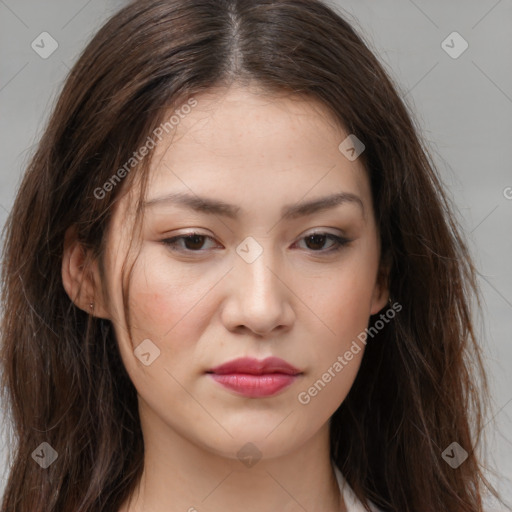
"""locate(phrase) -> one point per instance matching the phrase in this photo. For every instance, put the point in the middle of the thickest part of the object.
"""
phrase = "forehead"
(244, 138)
(227, 118)
(261, 153)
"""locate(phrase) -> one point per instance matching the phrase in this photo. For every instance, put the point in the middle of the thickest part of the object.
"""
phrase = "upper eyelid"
(317, 231)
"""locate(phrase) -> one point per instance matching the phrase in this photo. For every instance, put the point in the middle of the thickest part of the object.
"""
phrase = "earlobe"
(80, 277)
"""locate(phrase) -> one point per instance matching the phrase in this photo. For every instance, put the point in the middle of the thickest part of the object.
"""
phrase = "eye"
(194, 242)
(319, 238)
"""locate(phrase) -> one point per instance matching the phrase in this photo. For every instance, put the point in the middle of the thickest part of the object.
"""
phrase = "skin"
(296, 301)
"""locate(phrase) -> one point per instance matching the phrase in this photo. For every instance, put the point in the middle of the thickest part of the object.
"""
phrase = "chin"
(255, 444)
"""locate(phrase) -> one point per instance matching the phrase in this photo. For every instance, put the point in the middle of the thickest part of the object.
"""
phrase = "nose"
(258, 297)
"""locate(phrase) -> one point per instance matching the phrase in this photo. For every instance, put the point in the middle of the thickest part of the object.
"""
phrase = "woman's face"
(253, 283)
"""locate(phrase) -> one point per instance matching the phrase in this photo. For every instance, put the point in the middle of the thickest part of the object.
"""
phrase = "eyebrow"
(291, 211)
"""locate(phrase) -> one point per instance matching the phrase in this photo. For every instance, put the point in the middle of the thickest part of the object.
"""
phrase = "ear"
(81, 278)
(381, 291)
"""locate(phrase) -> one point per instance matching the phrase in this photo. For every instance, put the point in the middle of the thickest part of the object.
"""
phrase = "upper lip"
(255, 367)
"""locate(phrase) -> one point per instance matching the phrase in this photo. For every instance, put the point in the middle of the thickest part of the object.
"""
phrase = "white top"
(350, 499)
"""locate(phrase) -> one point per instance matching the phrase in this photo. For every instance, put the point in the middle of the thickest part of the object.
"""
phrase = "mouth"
(254, 378)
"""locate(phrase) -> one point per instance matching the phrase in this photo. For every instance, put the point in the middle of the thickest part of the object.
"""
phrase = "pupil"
(313, 237)
(194, 240)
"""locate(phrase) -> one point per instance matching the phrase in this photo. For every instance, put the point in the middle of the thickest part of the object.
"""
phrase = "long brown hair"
(421, 385)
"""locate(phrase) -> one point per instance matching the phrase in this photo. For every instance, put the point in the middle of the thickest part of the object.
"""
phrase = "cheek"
(343, 306)
(343, 301)
(165, 307)
(168, 302)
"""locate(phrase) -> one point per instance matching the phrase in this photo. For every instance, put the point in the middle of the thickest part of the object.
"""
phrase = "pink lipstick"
(254, 378)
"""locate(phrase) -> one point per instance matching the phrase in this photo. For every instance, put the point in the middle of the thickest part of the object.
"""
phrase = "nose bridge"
(259, 293)
(255, 263)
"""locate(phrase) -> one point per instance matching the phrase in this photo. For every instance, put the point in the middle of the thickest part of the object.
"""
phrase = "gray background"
(463, 104)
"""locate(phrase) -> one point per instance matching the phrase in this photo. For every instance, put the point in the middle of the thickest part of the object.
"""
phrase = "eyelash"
(340, 242)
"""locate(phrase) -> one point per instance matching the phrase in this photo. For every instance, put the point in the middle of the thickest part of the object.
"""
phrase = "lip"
(255, 378)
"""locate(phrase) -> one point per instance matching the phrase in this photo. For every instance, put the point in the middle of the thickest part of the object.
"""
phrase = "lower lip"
(255, 386)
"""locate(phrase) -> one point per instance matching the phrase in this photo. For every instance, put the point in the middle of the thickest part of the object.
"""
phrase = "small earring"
(91, 305)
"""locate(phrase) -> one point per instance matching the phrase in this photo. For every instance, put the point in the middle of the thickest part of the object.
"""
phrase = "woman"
(232, 276)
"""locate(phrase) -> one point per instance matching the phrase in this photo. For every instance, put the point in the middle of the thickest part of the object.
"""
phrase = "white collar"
(352, 503)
